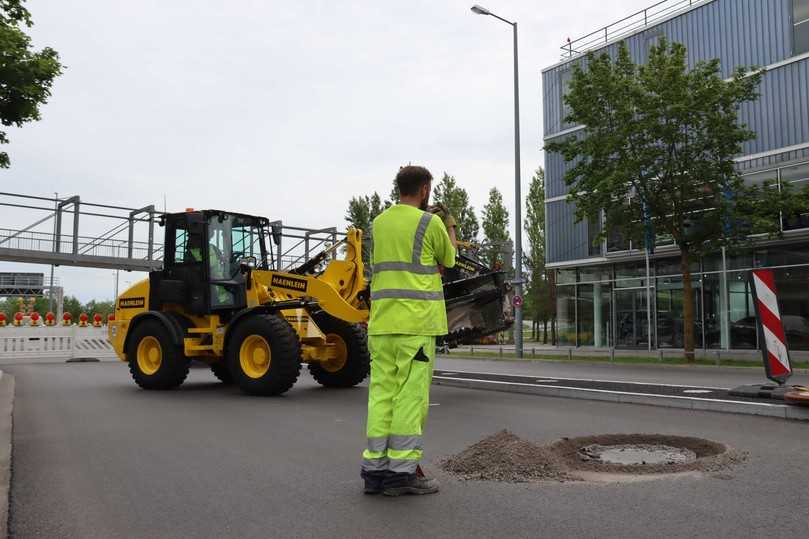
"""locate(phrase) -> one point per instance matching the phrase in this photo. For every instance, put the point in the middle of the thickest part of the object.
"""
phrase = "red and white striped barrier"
(771, 329)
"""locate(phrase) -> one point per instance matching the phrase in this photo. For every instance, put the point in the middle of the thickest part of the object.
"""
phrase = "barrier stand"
(67, 319)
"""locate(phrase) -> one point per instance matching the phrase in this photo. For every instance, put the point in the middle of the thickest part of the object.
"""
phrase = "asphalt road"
(96, 457)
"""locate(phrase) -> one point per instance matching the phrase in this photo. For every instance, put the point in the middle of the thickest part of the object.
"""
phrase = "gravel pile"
(506, 457)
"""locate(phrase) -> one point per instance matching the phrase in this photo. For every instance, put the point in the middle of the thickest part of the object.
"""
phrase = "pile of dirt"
(506, 457)
(710, 456)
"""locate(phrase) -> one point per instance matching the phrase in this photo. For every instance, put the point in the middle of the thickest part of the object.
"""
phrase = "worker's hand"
(443, 212)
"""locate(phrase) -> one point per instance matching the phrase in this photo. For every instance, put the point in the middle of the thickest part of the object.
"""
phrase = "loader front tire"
(353, 362)
(154, 360)
(264, 355)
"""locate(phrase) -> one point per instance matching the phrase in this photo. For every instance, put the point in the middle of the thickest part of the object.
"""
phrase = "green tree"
(394, 194)
(456, 199)
(656, 156)
(104, 308)
(495, 228)
(363, 209)
(539, 299)
(73, 306)
(26, 76)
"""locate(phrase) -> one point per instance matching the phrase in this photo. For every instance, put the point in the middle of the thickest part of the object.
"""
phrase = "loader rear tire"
(354, 360)
(222, 372)
(264, 355)
(154, 360)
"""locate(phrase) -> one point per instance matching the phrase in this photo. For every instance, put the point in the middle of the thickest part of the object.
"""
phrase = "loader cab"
(205, 253)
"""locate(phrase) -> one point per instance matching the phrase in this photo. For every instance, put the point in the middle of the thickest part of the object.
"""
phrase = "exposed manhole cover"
(697, 391)
(633, 454)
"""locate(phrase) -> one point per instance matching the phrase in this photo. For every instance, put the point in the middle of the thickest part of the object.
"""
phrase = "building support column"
(598, 337)
(724, 307)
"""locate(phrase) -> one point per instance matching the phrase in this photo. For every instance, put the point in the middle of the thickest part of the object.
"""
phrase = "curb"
(780, 411)
(6, 430)
(594, 363)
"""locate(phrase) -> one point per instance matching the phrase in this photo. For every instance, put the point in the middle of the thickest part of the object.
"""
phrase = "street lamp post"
(518, 344)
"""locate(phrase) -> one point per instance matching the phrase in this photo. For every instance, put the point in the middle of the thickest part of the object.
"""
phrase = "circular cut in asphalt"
(613, 457)
(658, 454)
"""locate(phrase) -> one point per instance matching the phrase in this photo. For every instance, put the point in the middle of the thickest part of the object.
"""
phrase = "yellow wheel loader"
(216, 300)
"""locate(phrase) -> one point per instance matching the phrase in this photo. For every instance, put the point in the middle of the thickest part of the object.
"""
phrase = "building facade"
(610, 293)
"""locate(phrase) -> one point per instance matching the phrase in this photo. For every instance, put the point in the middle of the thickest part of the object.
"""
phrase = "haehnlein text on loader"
(216, 300)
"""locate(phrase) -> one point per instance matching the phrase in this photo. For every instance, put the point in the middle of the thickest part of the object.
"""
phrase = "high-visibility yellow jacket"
(407, 296)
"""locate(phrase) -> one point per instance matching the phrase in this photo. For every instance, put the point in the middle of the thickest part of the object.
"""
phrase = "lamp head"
(480, 10)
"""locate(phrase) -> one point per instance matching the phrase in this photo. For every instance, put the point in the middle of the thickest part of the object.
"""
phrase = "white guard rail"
(57, 343)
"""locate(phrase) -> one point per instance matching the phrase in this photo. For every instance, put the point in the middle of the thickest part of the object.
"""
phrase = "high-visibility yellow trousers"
(398, 401)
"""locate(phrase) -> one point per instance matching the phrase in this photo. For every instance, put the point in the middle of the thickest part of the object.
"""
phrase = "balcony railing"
(627, 26)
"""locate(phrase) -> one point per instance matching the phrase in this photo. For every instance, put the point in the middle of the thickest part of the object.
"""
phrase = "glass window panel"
(631, 319)
(593, 230)
(180, 241)
(800, 10)
(712, 309)
(630, 275)
(795, 173)
(760, 177)
(801, 36)
(742, 315)
(798, 177)
(616, 241)
(585, 318)
(566, 276)
(564, 84)
(712, 262)
(566, 315)
(740, 259)
(602, 315)
(793, 300)
(670, 317)
(588, 274)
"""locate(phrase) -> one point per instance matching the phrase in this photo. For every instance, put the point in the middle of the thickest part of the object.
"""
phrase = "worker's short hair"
(411, 178)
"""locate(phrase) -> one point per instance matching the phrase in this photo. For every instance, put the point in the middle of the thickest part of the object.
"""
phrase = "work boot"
(409, 484)
(374, 482)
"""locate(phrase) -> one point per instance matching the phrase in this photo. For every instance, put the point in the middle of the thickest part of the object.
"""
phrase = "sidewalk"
(724, 377)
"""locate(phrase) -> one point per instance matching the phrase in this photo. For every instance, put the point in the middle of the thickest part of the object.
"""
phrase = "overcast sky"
(283, 109)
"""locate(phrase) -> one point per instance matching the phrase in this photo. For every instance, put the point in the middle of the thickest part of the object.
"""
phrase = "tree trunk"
(688, 308)
(545, 331)
(553, 331)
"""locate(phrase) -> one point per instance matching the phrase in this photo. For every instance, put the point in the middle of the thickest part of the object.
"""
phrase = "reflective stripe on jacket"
(406, 291)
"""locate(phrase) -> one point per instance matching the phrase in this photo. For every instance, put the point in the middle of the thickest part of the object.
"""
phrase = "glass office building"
(610, 294)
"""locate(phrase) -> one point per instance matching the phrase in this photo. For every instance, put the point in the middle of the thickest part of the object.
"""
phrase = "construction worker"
(407, 313)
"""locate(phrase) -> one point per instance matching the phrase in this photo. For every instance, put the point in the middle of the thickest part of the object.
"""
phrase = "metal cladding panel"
(567, 240)
(780, 117)
(739, 32)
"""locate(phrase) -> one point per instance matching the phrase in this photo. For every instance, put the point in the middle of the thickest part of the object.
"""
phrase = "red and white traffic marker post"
(773, 343)
(771, 335)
